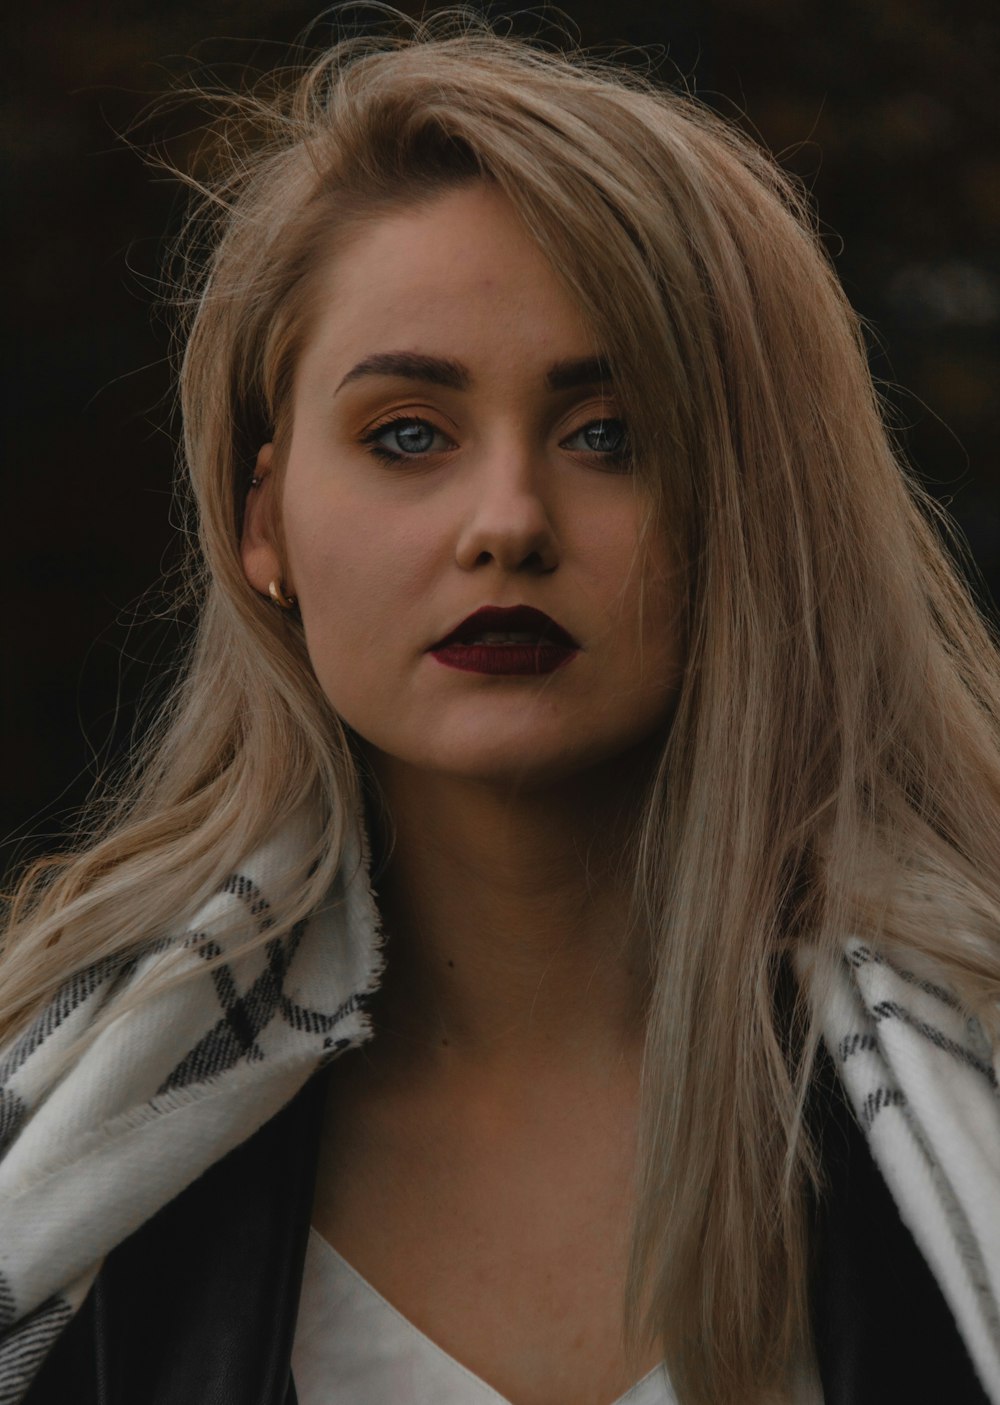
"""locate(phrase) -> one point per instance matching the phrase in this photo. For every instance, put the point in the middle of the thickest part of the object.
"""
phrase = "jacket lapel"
(882, 1329)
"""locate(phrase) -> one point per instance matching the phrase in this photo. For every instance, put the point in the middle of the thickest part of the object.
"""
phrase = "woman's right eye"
(406, 437)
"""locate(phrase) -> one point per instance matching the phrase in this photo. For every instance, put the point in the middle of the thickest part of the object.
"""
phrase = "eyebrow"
(438, 370)
(572, 375)
(411, 366)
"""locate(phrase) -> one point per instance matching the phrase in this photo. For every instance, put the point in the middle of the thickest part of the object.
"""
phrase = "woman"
(586, 751)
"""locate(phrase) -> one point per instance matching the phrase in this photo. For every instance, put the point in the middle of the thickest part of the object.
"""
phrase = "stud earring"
(283, 601)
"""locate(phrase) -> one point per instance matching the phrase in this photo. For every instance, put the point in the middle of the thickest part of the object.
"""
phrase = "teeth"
(495, 638)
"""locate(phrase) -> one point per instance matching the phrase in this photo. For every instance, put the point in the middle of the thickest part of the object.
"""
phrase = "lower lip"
(509, 659)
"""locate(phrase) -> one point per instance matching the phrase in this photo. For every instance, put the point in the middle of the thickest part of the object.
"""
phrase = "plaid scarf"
(90, 1152)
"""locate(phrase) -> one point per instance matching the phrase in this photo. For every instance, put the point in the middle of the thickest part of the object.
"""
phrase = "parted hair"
(833, 761)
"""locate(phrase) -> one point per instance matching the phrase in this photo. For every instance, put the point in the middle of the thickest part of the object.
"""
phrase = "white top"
(353, 1348)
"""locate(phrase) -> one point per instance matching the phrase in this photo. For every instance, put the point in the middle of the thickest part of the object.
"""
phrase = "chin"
(518, 766)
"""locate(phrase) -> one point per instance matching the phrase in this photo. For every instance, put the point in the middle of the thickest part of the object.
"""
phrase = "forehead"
(457, 275)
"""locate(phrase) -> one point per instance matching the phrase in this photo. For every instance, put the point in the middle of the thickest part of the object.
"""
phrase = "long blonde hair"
(833, 763)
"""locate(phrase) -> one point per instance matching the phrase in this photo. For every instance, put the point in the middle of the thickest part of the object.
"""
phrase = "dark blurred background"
(887, 109)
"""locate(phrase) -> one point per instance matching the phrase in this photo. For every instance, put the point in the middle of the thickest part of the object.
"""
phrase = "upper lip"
(509, 619)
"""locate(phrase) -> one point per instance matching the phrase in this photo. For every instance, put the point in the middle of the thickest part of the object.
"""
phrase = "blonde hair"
(833, 763)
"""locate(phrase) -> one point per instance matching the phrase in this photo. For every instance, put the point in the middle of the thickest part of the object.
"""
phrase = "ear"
(261, 561)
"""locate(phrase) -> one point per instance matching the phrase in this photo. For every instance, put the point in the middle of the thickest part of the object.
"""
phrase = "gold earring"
(285, 602)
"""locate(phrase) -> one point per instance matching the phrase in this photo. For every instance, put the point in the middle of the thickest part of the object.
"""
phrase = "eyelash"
(372, 439)
(379, 450)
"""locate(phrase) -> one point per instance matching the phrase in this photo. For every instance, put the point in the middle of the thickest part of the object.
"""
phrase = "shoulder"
(881, 1019)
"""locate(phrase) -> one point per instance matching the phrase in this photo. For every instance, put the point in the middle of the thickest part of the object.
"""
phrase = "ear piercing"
(277, 594)
(275, 589)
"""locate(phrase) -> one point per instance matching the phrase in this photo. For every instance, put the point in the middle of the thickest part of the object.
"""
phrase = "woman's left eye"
(606, 437)
(406, 438)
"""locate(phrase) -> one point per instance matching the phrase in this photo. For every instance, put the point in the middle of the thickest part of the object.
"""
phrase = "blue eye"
(606, 437)
(405, 438)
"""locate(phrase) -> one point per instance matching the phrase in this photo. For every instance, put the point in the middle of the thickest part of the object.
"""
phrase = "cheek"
(360, 583)
(652, 621)
(641, 589)
(665, 638)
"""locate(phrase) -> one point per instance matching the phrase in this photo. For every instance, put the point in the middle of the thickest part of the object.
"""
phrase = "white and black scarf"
(91, 1152)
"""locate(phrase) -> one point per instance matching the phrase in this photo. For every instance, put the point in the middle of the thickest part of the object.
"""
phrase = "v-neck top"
(352, 1347)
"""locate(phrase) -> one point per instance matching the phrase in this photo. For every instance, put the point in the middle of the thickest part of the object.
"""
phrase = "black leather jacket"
(198, 1307)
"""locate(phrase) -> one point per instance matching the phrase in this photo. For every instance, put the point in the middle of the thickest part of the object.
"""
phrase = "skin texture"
(479, 1151)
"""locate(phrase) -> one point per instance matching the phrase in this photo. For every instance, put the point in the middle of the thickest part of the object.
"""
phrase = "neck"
(506, 914)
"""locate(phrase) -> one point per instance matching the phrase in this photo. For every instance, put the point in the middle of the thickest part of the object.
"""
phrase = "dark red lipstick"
(515, 640)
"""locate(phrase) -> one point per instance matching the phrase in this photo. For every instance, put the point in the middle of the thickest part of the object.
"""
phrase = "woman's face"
(453, 447)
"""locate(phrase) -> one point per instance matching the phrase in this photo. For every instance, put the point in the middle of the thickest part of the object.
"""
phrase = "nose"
(509, 522)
